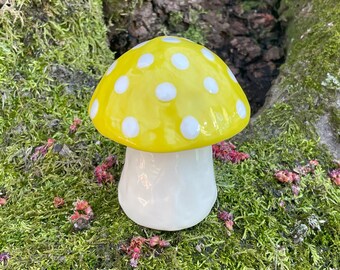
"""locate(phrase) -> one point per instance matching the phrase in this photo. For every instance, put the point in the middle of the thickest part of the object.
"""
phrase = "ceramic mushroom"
(168, 100)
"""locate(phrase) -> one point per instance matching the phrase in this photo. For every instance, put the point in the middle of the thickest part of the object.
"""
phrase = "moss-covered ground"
(51, 56)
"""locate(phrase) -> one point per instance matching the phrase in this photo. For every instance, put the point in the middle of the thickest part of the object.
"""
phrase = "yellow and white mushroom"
(168, 100)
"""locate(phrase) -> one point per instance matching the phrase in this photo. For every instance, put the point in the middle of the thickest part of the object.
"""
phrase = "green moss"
(175, 18)
(191, 30)
(195, 34)
(52, 54)
(315, 40)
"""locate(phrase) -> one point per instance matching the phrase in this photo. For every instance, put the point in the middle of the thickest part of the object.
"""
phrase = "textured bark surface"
(309, 81)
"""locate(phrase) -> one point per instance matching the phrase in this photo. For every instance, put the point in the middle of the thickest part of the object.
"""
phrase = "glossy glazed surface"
(169, 94)
(167, 191)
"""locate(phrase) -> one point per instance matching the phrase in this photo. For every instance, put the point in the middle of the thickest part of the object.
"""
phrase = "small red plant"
(75, 125)
(134, 257)
(134, 250)
(314, 162)
(81, 205)
(82, 215)
(335, 176)
(58, 202)
(102, 173)
(227, 218)
(226, 151)
(41, 151)
(3, 201)
(155, 241)
(306, 169)
(285, 176)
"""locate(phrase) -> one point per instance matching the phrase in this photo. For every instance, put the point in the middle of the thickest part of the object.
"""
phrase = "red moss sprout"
(3, 201)
(293, 177)
(75, 125)
(335, 176)
(226, 151)
(102, 173)
(228, 220)
(134, 249)
(41, 151)
(82, 215)
(58, 202)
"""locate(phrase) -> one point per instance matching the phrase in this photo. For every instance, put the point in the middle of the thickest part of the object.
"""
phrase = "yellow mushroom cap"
(169, 94)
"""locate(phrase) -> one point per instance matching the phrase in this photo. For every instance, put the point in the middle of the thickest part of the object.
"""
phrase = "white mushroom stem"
(168, 191)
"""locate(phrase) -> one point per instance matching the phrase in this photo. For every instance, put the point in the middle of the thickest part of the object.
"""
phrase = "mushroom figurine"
(168, 100)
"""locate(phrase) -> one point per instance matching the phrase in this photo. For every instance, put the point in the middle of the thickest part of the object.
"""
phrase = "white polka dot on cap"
(171, 39)
(121, 84)
(145, 60)
(241, 109)
(180, 61)
(94, 109)
(210, 85)
(130, 127)
(190, 127)
(166, 91)
(208, 54)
